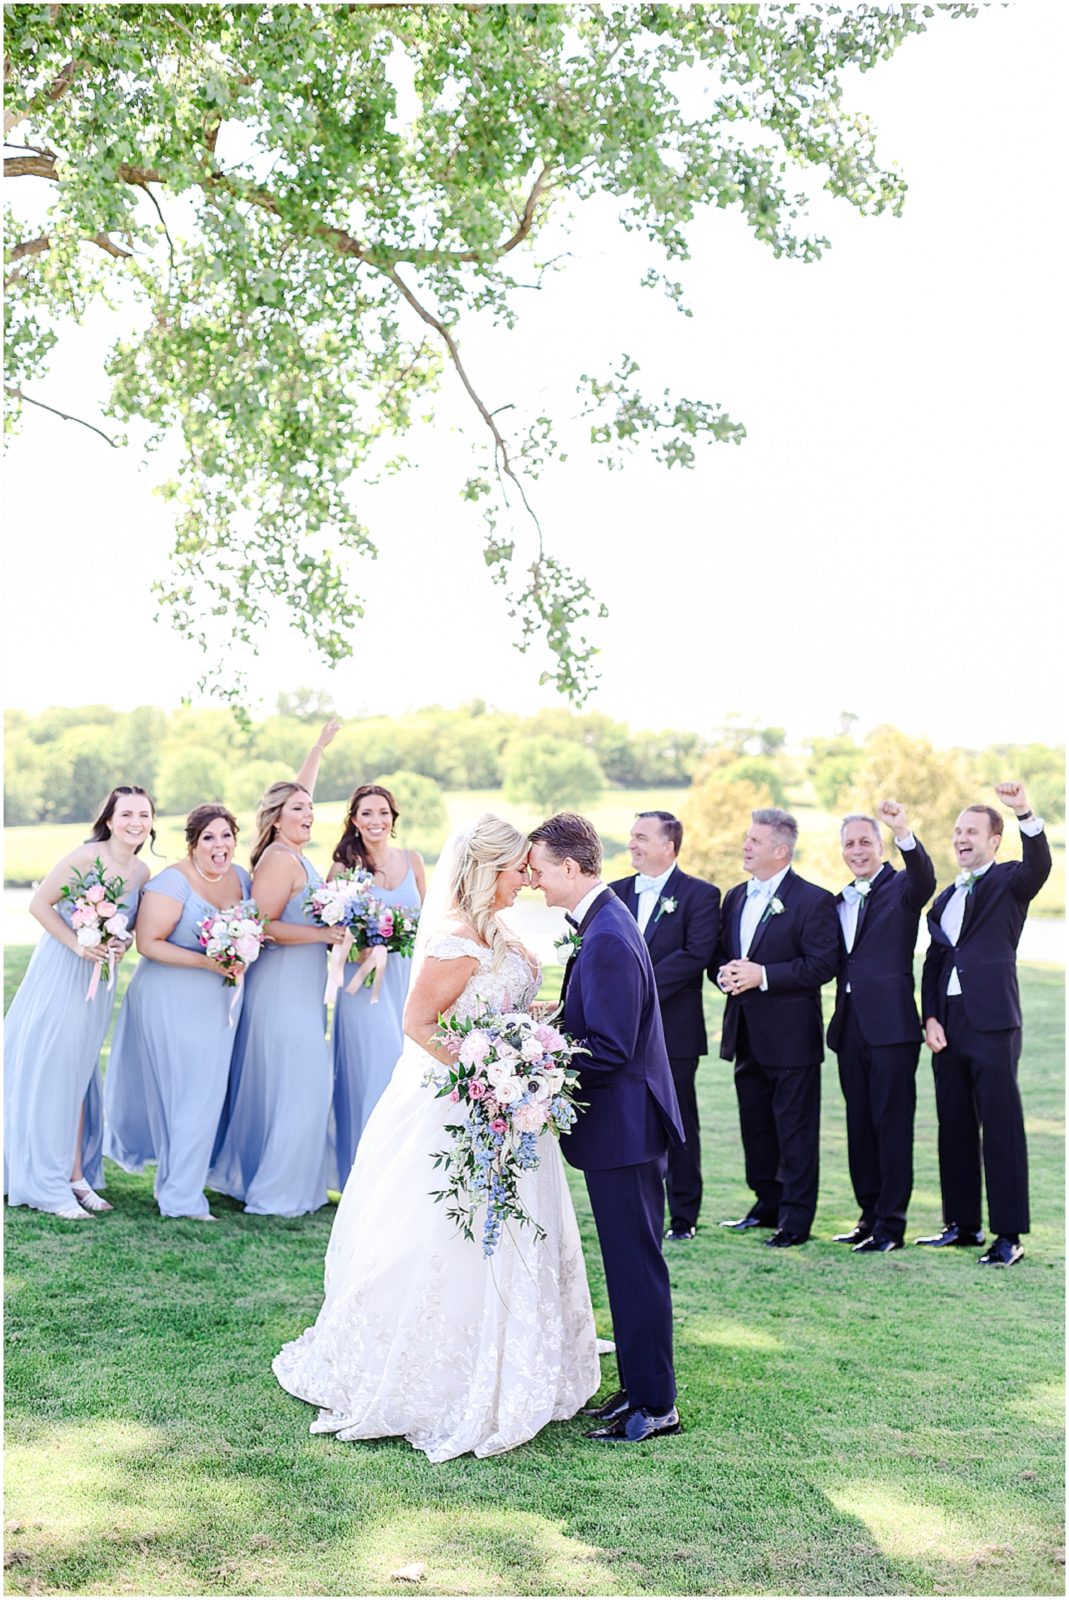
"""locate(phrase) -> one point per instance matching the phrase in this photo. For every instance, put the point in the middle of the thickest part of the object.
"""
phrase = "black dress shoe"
(636, 1426)
(870, 1246)
(783, 1238)
(743, 1223)
(679, 1235)
(1003, 1253)
(952, 1234)
(856, 1235)
(617, 1405)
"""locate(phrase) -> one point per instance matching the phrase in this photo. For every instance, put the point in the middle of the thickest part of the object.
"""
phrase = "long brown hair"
(349, 850)
(101, 833)
(268, 812)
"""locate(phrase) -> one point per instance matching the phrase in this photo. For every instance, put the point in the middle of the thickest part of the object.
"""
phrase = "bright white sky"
(884, 541)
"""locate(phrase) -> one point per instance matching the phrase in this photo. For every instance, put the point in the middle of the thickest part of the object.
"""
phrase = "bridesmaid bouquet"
(234, 937)
(349, 902)
(515, 1079)
(96, 917)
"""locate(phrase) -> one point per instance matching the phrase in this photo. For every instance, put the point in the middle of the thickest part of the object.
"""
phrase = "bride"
(419, 1334)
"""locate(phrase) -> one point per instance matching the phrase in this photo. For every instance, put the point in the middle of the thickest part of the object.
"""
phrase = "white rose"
(507, 1091)
(506, 1052)
(89, 937)
(117, 925)
(218, 929)
(332, 913)
(498, 1071)
(532, 1049)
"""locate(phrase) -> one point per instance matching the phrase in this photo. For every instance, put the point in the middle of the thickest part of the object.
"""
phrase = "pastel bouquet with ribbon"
(380, 931)
(98, 919)
(234, 938)
(340, 903)
(513, 1081)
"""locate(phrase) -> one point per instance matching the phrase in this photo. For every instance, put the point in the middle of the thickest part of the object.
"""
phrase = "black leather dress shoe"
(783, 1238)
(636, 1426)
(870, 1246)
(679, 1235)
(616, 1405)
(856, 1235)
(952, 1234)
(1003, 1253)
(742, 1223)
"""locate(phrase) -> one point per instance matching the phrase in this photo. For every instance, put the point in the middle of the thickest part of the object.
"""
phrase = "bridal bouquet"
(514, 1078)
(96, 917)
(234, 937)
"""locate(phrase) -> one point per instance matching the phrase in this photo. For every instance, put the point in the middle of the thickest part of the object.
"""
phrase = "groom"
(620, 1142)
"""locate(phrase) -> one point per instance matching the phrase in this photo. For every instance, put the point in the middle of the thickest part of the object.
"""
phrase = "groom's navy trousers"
(621, 1139)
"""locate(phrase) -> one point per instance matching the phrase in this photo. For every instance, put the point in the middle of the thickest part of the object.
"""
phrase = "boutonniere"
(776, 908)
(665, 906)
(863, 887)
(568, 945)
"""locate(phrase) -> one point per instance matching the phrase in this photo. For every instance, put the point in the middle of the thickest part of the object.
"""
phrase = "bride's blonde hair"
(490, 847)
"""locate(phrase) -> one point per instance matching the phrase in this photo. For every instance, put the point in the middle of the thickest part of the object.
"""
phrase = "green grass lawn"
(875, 1425)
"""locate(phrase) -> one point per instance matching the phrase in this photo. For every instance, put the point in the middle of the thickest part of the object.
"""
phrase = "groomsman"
(678, 916)
(875, 1030)
(972, 1025)
(779, 942)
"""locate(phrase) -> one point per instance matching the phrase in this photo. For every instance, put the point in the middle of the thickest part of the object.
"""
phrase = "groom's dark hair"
(568, 834)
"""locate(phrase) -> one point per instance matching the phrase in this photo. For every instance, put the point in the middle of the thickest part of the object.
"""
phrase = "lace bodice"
(510, 987)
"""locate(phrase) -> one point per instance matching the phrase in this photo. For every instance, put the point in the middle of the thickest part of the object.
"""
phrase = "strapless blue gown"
(368, 1041)
(276, 1147)
(170, 1061)
(52, 1044)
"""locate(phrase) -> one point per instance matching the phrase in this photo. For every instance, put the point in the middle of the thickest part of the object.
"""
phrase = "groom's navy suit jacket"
(610, 1005)
(986, 951)
(799, 950)
(681, 945)
(879, 969)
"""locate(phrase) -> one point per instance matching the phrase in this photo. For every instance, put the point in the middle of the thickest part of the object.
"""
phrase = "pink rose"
(455, 1095)
(549, 1037)
(247, 948)
(476, 1088)
(95, 894)
(386, 926)
(498, 1125)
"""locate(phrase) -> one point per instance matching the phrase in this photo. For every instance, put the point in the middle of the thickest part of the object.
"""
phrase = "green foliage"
(420, 806)
(190, 776)
(296, 262)
(760, 772)
(551, 775)
(835, 775)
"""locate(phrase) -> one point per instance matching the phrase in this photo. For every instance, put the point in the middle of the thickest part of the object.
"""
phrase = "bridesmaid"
(167, 1076)
(276, 1148)
(53, 1131)
(368, 1038)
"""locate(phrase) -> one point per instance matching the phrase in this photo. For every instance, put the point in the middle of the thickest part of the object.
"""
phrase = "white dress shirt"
(648, 900)
(759, 895)
(580, 911)
(953, 917)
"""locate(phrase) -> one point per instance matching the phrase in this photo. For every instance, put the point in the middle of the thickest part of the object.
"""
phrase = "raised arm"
(920, 874)
(310, 767)
(1036, 863)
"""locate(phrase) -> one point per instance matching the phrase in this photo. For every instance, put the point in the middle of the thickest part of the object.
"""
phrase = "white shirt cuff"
(907, 843)
(764, 980)
(1031, 826)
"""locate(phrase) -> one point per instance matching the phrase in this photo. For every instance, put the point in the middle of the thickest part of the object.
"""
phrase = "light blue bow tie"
(643, 882)
(852, 894)
(755, 886)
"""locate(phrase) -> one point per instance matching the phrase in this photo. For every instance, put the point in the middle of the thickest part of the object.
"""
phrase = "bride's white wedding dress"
(420, 1335)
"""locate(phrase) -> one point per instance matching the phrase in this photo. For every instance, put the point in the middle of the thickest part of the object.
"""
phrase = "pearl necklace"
(205, 876)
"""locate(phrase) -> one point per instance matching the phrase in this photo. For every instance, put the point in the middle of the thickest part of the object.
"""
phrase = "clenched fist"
(894, 815)
(1012, 795)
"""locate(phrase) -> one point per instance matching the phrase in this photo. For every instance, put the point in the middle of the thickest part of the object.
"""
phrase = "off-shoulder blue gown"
(52, 1044)
(368, 1040)
(277, 1150)
(170, 1060)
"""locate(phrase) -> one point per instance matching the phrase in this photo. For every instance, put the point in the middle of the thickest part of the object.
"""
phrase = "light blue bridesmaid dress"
(368, 1039)
(276, 1149)
(170, 1059)
(52, 1043)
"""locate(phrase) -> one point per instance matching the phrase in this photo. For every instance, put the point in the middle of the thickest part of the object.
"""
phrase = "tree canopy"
(298, 209)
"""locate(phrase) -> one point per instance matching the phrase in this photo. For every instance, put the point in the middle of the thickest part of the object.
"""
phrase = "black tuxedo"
(976, 1091)
(876, 1034)
(681, 943)
(776, 1039)
(609, 1003)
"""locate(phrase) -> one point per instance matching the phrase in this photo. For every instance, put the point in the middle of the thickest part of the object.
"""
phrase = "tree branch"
(58, 87)
(17, 394)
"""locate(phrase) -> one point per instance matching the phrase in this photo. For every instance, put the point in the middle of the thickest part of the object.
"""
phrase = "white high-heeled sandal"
(88, 1198)
(72, 1213)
